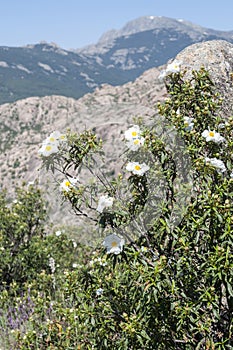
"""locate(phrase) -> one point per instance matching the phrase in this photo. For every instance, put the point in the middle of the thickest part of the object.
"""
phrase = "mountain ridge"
(145, 23)
(46, 69)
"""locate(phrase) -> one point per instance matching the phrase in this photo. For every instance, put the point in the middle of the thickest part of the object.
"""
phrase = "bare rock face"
(217, 57)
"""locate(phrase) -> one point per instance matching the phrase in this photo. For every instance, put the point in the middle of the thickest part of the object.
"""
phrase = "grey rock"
(217, 57)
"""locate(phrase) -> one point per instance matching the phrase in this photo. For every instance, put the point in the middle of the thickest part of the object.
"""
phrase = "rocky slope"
(27, 122)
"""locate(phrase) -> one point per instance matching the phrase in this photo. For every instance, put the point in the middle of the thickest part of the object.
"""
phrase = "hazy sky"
(76, 23)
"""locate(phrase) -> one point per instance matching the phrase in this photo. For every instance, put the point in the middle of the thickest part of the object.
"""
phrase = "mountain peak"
(149, 23)
(143, 24)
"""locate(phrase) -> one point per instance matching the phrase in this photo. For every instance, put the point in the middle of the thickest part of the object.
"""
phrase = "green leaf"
(145, 335)
(229, 289)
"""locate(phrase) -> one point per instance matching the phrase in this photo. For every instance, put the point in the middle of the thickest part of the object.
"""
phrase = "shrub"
(25, 245)
(167, 284)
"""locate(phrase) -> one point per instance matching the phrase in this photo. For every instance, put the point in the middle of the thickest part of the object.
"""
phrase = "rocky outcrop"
(217, 57)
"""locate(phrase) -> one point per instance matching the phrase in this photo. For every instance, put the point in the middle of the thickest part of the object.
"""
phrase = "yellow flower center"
(52, 139)
(134, 133)
(136, 142)
(114, 244)
(211, 134)
(137, 167)
(67, 183)
(48, 148)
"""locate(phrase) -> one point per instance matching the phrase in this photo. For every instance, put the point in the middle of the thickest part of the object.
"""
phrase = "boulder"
(217, 57)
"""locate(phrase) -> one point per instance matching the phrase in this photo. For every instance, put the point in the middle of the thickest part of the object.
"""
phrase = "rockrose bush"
(161, 276)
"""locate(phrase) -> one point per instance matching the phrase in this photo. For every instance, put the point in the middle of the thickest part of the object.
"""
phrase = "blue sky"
(76, 23)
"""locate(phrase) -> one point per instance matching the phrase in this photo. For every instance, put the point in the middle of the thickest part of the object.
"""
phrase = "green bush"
(170, 285)
(25, 245)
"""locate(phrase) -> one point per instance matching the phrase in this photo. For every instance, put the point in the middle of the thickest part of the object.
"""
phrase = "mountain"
(119, 56)
(45, 69)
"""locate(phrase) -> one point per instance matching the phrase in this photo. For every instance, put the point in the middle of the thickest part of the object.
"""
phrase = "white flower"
(48, 148)
(134, 138)
(212, 135)
(58, 233)
(58, 136)
(104, 202)
(136, 168)
(173, 67)
(133, 133)
(67, 184)
(188, 123)
(99, 291)
(75, 265)
(51, 143)
(135, 144)
(231, 175)
(162, 75)
(114, 244)
(217, 163)
(50, 140)
(55, 137)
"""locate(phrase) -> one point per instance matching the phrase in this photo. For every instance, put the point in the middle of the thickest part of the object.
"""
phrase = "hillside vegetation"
(158, 278)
